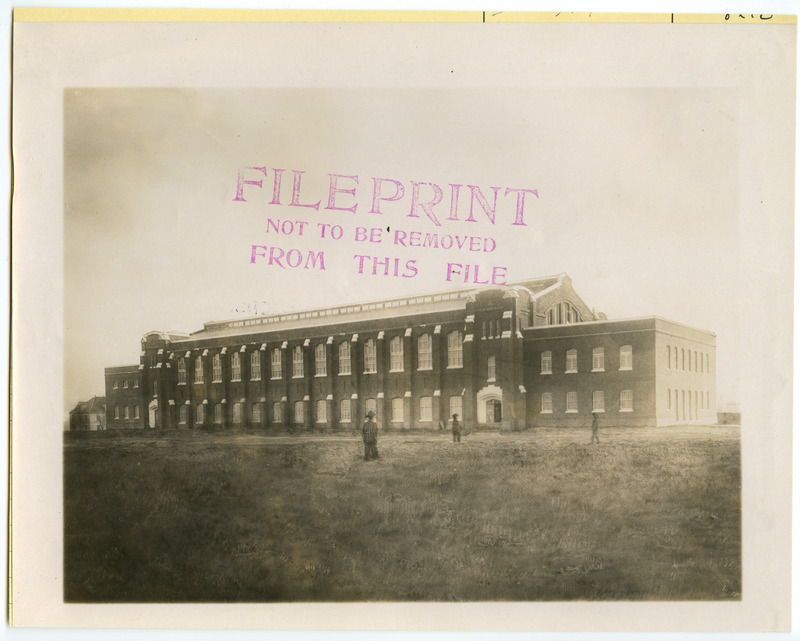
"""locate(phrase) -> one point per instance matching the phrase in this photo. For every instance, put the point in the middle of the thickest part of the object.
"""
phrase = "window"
(344, 358)
(155, 387)
(683, 359)
(237, 413)
(675, 359)
(572, 361)
(320, 363)
(491, 368)
(598, 359)
(396, 354)
(424, 355)
(702, 362)
(136, 384)
(455, 406)
(669, 357)
(116, 385)
(562, 314)
(371, 405)
(344, 409)
(275, 363)
(455, 347)
(598, 401)
(397, 410)
(216, 369)
(299, 412)
(218, 413)
(236, 367)
(255, 365)
(626, 357)
(669, 399)
(152, 360)
(626, 400)
(126, 412)
(695, 361)
(370, 358)
(322, 411)
(135, 411)
(183, 412)
(708, 399)
(256, 410)
(201, 414)
(125, 384)
(297, 362)
(277, 412)
(198, 369)
(425, 409)
(547, 362)
(572, 402)
(181, 371)
(547, 403)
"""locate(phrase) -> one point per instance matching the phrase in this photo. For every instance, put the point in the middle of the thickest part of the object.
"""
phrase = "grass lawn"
(539, 515)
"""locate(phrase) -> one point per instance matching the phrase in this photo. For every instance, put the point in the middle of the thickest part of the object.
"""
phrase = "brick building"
(509, 357)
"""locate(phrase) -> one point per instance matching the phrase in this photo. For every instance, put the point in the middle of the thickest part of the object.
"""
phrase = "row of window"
(598, 402)
(134, 383)
(424, 360)
(690, 361)
(126, 412)
(562, 314)
(425, 411)
(687, 403)
(598, 360)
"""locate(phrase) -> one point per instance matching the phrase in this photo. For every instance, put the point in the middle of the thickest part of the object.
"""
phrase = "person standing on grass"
(369, 433)
(456, 429)
(595, 438)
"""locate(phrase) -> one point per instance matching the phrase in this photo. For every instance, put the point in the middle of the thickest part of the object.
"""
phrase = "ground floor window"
(626, 400)
(344, 410)
(397, 410)
(547, 403)
(455, 406)
(218, 413)
(572, 402)
(371, 405)
(183, 413)
(299, 413)
(256, 413)
(277, 412)
(201, 414)
(598, 401)
(237, 413)
(322, 411)
(135, 411)
(425, 409)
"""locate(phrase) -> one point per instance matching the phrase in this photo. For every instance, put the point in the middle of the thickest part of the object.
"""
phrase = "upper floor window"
(626, 357)
(198, 370)
(572, 361)
(547, 362)
(181, 371)
(255, 365)
(216, 369)
(155, 388)
(275, 363)
(297, 362)
(136, 384)
(396, 354)
(370, 357)
(424, 354)
(344, 359)
(491, 367)
(455, 349)
(135, 411)
(598, 359)
(115, 385)
(153, 360)
(125, 384)
(320, 362)
(236, 367)
(669, 357)
(562, 313)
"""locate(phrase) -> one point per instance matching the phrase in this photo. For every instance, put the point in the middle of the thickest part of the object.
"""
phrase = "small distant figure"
(369, 433)
(595, 438)
(456, 429)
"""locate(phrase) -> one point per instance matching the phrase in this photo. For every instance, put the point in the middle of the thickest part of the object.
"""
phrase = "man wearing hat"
(369, 432)
(456, 429)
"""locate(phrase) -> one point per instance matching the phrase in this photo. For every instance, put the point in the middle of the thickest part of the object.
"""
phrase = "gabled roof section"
(93, 405)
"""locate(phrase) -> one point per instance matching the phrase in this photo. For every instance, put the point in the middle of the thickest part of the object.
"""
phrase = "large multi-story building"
(509, 357)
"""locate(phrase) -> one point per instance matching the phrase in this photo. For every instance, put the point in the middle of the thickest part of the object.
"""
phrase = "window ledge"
(599, 370)
(275, 378)
(181, 383)
(425, 369)
(598, 411)
(545, 373)
(344, 373)
(626, 410)
(320, 375)
(372, 371)
(625, 369)
(455, 367)
(571, 412)
(297, 376)
(546, 412)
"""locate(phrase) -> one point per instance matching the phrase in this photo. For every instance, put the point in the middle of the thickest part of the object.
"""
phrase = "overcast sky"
(637, 202)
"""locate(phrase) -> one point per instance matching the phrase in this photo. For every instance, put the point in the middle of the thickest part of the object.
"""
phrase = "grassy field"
(532, 516)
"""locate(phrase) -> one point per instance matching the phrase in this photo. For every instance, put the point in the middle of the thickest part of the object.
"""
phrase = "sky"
(637, 202)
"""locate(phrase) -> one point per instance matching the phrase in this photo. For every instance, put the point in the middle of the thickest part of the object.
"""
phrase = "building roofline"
(622, 320)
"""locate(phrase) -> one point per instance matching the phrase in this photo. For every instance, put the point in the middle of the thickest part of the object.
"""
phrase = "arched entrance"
(490, 405)
(153, 414)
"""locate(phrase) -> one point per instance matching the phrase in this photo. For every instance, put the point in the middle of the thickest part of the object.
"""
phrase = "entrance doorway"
(494, 411)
